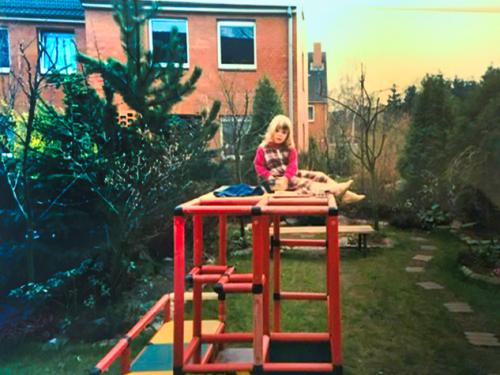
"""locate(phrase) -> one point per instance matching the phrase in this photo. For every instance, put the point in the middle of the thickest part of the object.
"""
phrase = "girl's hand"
(281, 184)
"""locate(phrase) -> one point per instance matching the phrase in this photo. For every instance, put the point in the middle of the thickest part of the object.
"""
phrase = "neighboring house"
(317, 111)
(231, 41)
(51, 30)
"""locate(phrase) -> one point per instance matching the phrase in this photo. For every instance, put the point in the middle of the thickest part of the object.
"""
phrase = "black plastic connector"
(178, 211)
(178, 371)
(189, 280)
(219, 289)
(276, 296)
(95, 371)
(256, 211)
(128, 338)
(338, 370)
(257, 288)
(332, 211)
(274, 242)
(258, 370)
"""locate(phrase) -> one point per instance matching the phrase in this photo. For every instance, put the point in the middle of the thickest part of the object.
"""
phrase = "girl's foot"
(350, 197)
(339, 188)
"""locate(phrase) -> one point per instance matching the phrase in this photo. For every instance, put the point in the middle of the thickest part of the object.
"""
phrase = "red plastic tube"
(295, 366)
(227, 337)
(213, 268)
(301, 336)
(241, 278)
(179, 224)
(299, 210)
(219, 367)
(333, 255)
(222, 239)
(273, 201)
(215, 210)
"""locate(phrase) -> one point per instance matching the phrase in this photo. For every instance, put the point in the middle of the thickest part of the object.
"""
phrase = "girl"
(276, 162)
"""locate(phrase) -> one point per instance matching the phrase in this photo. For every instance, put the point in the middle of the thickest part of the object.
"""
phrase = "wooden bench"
(361, 230)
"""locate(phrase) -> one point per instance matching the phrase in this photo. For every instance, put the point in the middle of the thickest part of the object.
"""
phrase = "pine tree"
(149, 89)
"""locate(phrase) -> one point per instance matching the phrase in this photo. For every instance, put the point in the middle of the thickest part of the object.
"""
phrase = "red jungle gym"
(199, 346)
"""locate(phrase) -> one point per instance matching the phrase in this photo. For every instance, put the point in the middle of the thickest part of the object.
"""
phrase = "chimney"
(317, 63)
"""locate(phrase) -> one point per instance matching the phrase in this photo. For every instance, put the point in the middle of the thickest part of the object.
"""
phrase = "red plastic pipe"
(197, 240)
(333, 252)
(302, 367)
(222, 239)
(227, 337)
(215, 210)
(241, 278)
(277, 274)
(300, 336)
(302, 242)
(299, 210)
(218, 367)
(179, 226)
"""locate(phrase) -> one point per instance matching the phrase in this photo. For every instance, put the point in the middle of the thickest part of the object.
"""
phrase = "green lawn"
(390, 325)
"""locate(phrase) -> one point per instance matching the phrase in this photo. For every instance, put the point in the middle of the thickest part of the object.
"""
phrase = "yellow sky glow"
(400, 41)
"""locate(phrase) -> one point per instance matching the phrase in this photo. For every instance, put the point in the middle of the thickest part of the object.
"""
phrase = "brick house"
(233, 43)
(52, 27)
(317, 110)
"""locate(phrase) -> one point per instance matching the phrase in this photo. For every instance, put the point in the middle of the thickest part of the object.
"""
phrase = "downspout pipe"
(290, 65)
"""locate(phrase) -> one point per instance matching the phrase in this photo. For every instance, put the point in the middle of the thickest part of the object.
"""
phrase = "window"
(236, 45)
(161, 29)
(310, 113)
(4, 51)
(58, 51)
(231, 131)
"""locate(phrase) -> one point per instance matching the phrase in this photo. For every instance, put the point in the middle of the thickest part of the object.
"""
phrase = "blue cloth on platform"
(239, 190)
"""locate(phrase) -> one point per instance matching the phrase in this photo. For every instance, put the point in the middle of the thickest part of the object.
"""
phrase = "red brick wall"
(26, 33)
(102, 36)
(318, 127)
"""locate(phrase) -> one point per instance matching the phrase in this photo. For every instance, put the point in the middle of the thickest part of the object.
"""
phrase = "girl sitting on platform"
(276, 162)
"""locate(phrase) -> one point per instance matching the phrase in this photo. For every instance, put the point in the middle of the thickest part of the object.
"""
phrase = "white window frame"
(164, 64)
(44, 69)
(313, 113)
(219, 54)
(6, 69)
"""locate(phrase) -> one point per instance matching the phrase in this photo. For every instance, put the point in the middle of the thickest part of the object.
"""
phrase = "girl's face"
(280, 135)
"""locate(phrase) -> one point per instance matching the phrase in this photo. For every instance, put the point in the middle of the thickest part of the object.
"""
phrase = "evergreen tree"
(149, 89)
(266, 105)
(424, 155)
(394, 103)
(409, 99)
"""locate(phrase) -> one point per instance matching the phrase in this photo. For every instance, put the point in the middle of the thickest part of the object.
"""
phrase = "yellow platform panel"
(165, 334)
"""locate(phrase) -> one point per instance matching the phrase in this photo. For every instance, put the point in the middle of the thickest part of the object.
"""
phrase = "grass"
(390, 325)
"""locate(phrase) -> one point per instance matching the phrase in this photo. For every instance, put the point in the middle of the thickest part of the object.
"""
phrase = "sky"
(399, 41)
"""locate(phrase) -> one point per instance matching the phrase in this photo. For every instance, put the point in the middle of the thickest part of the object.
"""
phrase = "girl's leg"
(350, 197)
(324, 182)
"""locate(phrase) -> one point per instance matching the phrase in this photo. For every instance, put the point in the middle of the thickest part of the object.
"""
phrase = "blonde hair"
(277, 123)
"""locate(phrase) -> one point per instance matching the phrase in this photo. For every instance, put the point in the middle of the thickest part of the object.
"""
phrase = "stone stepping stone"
(423, 258)
(428, 247)
(414, 269)
(482, 339)
(458, 307)
(430, 285)
(419, 239)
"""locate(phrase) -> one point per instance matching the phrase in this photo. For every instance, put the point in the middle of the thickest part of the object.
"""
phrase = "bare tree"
(17, 166)
(238, 104)
(369, 139)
